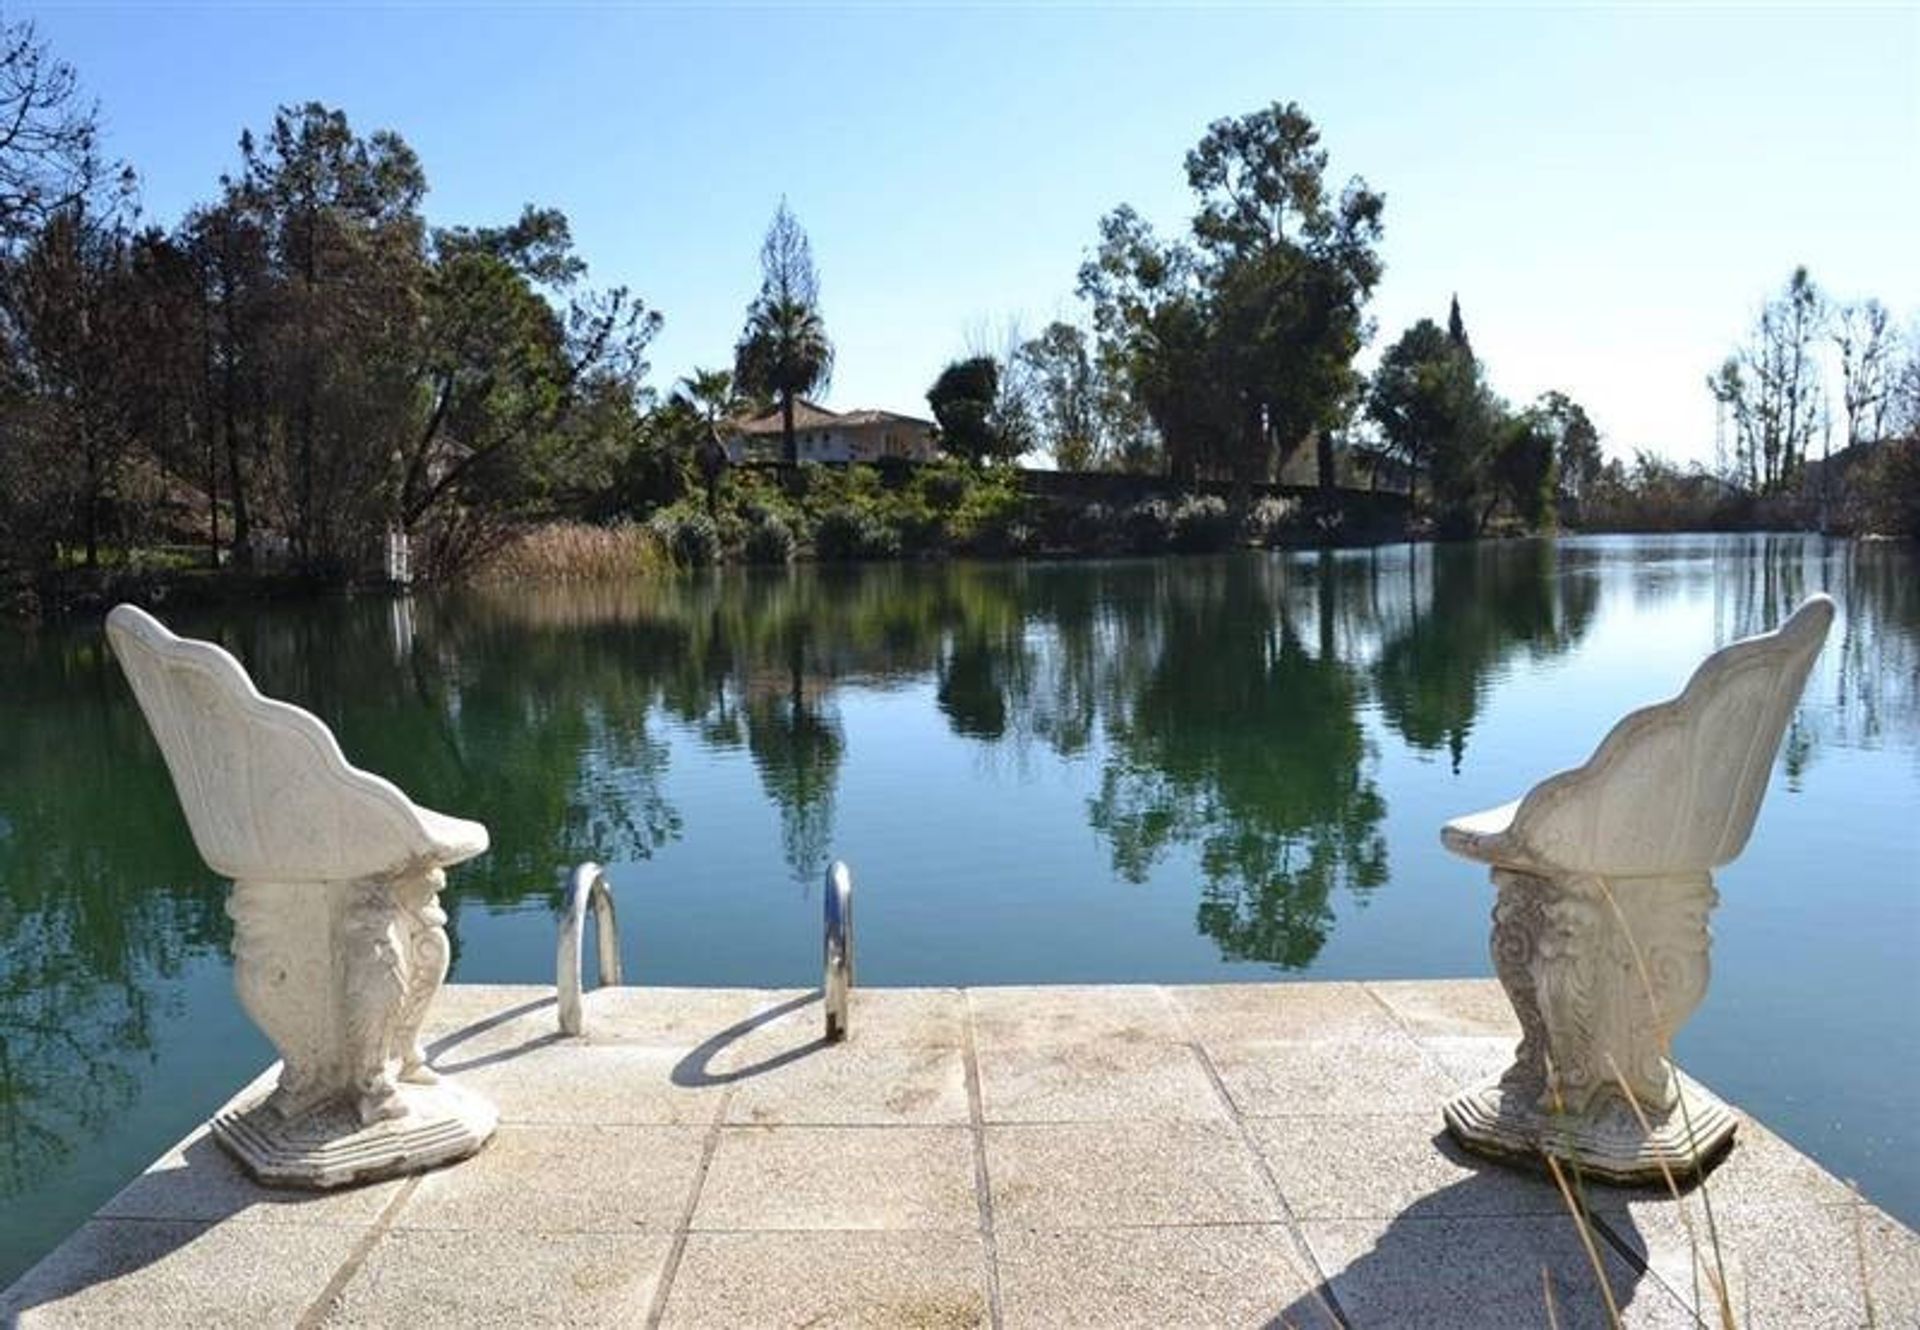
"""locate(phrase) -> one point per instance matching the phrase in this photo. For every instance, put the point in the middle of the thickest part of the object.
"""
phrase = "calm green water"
(1169, 771)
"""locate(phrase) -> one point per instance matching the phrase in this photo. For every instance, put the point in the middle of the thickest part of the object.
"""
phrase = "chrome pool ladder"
(588, 887)
(836, 986)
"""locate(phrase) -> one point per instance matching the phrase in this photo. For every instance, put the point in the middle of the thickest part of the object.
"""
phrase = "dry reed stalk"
(1717, 1276)
(577, 552)
(1586, 1240)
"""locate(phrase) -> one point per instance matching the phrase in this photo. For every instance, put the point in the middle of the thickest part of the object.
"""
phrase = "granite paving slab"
(501, 1279)
(1257, 1155)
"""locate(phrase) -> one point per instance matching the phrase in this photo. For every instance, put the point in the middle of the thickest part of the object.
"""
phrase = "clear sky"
(1611, 191)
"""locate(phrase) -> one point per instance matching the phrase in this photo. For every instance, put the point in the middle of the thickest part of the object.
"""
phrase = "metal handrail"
(837, 986)
(588, 887)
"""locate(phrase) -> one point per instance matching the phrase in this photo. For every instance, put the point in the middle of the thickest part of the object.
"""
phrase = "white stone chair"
(339, 941)
(1605, 878)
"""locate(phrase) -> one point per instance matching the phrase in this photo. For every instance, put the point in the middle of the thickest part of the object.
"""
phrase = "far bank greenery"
(302, 368)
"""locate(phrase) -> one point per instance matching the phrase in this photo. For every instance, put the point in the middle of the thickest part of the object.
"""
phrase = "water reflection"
(1477, 605)
(1236, 739)
(102, 900)
(1222, 721)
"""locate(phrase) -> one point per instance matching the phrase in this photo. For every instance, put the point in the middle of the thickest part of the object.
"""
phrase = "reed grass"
(577, 552)
(1716, 1275)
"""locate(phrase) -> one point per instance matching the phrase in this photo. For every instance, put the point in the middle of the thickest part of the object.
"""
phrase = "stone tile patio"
(1257, 1155)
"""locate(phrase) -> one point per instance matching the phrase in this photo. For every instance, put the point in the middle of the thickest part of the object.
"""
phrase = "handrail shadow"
(446, 1043)
(694, 1070)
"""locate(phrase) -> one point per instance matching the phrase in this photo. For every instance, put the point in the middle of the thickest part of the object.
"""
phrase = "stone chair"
(339, 942)
(1605, 883)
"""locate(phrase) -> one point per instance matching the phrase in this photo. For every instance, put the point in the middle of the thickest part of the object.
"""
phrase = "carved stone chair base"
(330, 1148)
(1608, 1145)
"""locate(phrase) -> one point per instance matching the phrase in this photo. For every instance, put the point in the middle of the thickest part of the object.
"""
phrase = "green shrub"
(1095, 528)
(944, 485)
(1889, 497)
(991, 506)
(769, 538)
(1201, 524)
(896, 473)
(849, 532)
(1273, 521)
(692, 538)
(808, 480)
(1147, 527)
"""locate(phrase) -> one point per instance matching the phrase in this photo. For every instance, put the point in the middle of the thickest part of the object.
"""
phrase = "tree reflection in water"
(1470, 607)
(1241, 743)
(1229, 712)
(102, 901)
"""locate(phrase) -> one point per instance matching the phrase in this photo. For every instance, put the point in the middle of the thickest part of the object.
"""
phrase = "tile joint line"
(671, 1266)
(982, 1186)
(1322, 1290)
(323, 1304)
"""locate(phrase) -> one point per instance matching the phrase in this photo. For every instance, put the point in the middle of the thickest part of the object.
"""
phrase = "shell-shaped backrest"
(265, 788)
(1675, 788)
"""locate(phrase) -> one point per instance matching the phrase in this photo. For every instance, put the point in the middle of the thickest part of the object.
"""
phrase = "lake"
(1158, 770)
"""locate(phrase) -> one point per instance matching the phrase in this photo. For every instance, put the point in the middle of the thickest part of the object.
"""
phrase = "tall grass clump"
(576, 552)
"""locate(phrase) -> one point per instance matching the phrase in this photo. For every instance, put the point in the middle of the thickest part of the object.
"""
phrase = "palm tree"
(710, 394)
(784, 353)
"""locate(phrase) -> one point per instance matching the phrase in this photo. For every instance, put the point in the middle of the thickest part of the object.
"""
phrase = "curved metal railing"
(588, 887)
(837, 985)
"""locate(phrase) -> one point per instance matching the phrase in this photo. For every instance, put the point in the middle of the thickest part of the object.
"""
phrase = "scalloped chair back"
(1675, 788)
(266, 791)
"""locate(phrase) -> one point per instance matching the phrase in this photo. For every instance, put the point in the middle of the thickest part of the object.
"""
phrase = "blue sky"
(1611, 191)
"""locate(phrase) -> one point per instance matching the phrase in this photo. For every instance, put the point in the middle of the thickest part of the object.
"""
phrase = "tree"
(1576, 444)
(1432, 412)
(1292, 271)
(1457, 329)
(1521, 468)
(964, 399)
(711, 393)
(532, 385)
(784, 352)
(300, 352)
(1768, 390)
(1903, 396)
(1066, 396)
(339, 216)
(1869, 348)
(1240, 346)
(66, 299)
(62, 209)
(49, 140)
(226, 254)
(1156, 336)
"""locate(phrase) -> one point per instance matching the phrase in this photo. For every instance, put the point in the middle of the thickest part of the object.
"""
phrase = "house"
(820, 435)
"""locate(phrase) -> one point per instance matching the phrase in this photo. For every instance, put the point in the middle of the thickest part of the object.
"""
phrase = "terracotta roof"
(811, 415)
(881, 418)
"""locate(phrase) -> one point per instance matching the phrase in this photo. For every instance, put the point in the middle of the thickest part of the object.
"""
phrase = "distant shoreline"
(77, 595)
